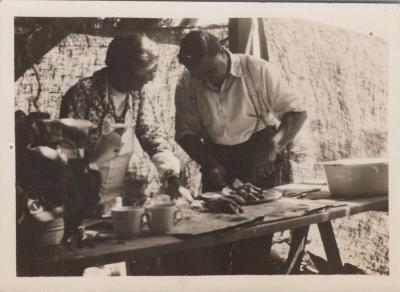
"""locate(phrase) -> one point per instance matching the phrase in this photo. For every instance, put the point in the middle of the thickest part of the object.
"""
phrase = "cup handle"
(142, 220)
(176, 217)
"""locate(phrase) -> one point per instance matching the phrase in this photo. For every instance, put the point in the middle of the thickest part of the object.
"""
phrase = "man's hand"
(211, 168)
(264, 164)
(215, 172)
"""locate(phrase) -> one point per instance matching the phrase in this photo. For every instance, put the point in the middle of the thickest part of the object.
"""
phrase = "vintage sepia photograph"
(209, 146)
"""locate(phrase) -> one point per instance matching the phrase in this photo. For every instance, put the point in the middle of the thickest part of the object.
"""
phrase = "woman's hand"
(173, 188)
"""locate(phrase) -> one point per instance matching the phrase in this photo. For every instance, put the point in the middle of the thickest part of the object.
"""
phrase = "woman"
(115, 100)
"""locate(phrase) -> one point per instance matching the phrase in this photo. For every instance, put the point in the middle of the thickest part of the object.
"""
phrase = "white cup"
(162, 218)
(128, 220)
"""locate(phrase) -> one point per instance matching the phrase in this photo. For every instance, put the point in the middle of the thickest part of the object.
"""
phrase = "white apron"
(112, 153)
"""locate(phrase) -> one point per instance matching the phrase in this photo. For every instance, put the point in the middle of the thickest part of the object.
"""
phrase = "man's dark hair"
(197, 44)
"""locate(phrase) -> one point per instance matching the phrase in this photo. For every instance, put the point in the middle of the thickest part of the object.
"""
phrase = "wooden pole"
(240, 36)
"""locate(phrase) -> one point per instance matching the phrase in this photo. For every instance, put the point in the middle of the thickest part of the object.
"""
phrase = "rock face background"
(343, 77)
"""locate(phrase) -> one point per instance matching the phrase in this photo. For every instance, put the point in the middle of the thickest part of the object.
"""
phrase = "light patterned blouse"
(87, 100)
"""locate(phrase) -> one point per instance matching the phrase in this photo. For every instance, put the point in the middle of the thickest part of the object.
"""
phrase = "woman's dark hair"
(134, 50)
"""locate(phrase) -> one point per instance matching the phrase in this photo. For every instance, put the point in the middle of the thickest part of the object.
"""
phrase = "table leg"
(297, 245)
(331, 248)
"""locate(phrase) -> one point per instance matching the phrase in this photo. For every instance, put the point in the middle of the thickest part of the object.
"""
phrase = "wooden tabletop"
(148, 246)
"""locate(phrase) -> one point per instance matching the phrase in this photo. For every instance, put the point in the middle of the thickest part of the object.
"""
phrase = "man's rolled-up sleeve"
(187, 120)
(279, 97)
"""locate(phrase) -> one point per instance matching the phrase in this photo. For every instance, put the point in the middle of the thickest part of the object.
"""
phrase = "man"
(234, 116)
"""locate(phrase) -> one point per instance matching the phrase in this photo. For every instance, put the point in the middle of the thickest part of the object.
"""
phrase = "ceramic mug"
(162, 218)
(128, 220)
